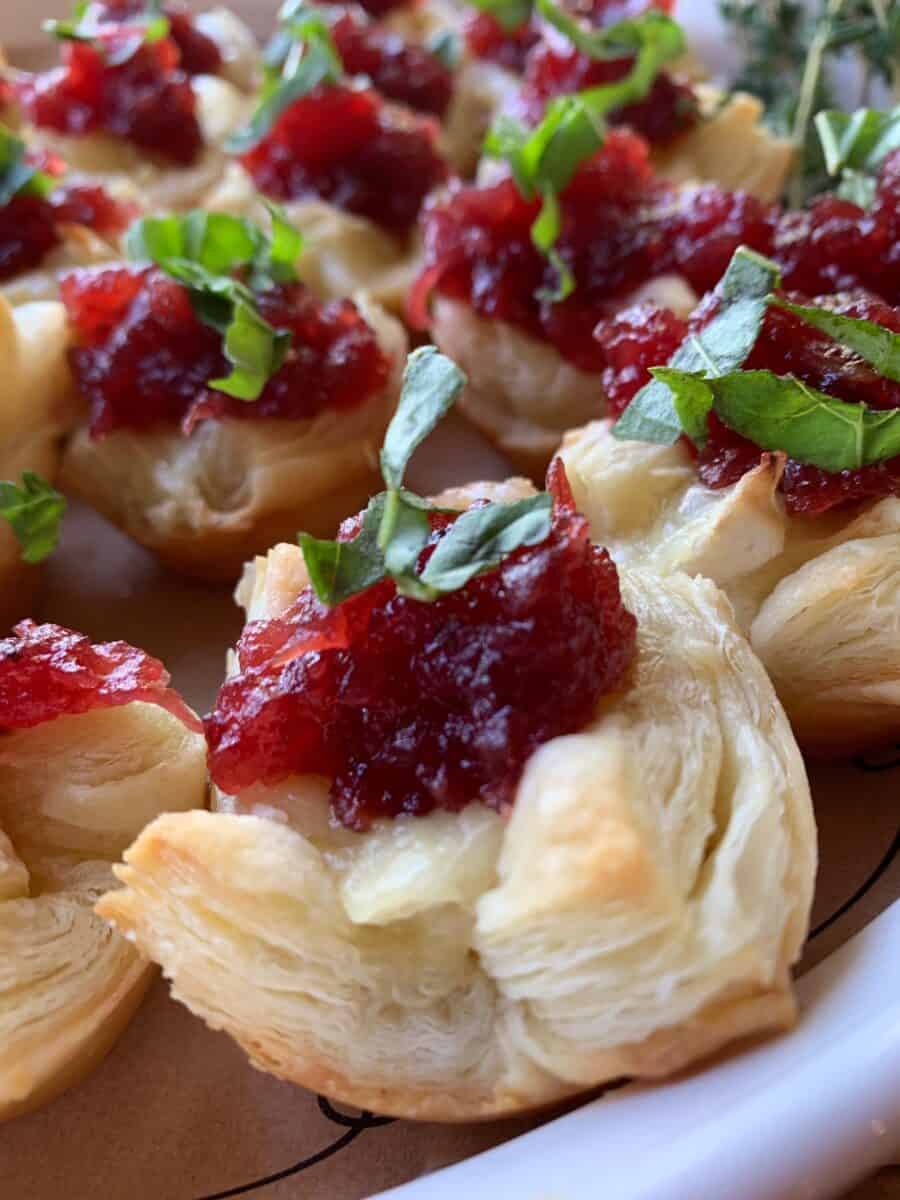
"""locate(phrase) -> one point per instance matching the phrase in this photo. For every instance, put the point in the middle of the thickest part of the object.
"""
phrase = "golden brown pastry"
(74, 790)
(637, 906)
(37, 407)
(206, 500)
(816, 596)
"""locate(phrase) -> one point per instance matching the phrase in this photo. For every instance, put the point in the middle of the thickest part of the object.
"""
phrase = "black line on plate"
(354, 1127)
(866, 886)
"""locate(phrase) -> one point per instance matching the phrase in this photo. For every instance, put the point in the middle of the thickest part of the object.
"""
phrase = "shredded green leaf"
(150, 25)
(878, 346)
(301, 56)
(509, 14)
(17, 177)
(855, 145)
(396, 527)
(721, 347)
(205, 251)
(34, 511)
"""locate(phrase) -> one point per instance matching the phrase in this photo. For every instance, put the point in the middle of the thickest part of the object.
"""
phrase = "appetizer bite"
(228, 405)
(48, 225)
(123, 106)
(351, 169)
(93, 745)
(764, 453)
(38, 406)
(491, 831)
(517, 272)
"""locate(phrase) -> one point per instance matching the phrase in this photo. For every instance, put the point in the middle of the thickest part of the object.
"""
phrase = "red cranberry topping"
(144, 357)
(400, 70)
(147, 99)
(47, 671)
(345, 146)
(486, 38)
(199, 54)
(30, 225)
(409, 707)
(380, 8)
(555, 70)
(834, 246)
(786, 346)
(621, 227)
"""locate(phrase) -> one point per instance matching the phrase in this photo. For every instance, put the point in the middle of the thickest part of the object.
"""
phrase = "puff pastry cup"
(74, 791)
(37, 406)
(818, 597)
(640, 907)
(206, 502)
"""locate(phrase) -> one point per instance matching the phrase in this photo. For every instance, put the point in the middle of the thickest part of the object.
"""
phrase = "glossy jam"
(409, 707)
(143, 358)
(400, 70)
(146, 100)
(834, 246)
(47, 671)
(486, 38)
(199, 54)
(556, 69)
(621, 227)
(644, 337)
(32, 226)
(346, 146)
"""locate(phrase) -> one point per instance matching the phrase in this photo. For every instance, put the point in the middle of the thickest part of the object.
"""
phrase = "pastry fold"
(639, 908)
(73, 793)
(817, 596)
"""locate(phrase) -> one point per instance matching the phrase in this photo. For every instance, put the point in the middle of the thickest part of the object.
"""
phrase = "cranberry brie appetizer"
(351, 169)
(521, 319)
(123, 105)
(93, 745)
(491, 830)
(765, 454)
(38, 406)
(228, 405)
(48, 225)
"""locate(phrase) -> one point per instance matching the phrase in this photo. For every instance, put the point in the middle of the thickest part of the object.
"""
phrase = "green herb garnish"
(299, 57)
(221, 260)
(396, 527)
(509, 14)
(446, 47)
(34, 510)
(792, 54)
(17, 176)
(855, 145)
(877, 345)
(658, 413)
(150, 25)
(544, 160)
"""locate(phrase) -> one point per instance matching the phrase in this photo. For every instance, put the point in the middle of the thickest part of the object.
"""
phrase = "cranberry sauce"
(557, 69)
(345, 145)
(644, 336)
(621, 227)
(144, 358)
(486, 38)
(400, 70)
(32, 226)
(147, 99)
(199, 54)
(47, 671)
(408, 707)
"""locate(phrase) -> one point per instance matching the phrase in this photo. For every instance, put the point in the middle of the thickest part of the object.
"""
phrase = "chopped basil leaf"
(544, 160)
(509, 14)
(653, 34)
(396, 526)
(17, 177)
(482, 537)
(722, 346)
(150, 25)
(878, 346)
(855, 145)
(691, 400)
(338, 570)
(431, 384)
(780, 412)
(202, 250)
(34, 510)
(445, 46)
(301, 56)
